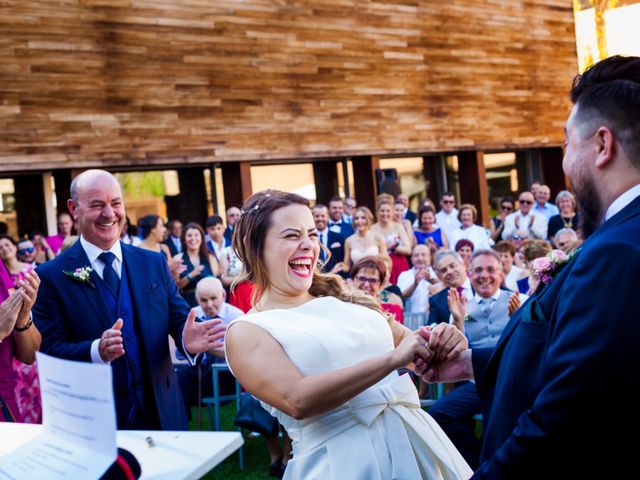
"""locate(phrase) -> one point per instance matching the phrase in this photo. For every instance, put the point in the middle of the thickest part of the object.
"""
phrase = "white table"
(176, 455)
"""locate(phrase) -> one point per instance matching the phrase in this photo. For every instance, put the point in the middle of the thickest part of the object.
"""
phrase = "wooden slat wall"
(126, 82)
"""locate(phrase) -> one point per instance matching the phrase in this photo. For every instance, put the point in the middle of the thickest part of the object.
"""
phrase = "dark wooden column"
(325, 177)
(364, 180)
(552, 174)
(236, 178)
(473, 183)
(191, 204)
(435, 175)
(62, 179)
(29, 198)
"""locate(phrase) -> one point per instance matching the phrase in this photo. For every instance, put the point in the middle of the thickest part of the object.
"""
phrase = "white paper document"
(79, 420)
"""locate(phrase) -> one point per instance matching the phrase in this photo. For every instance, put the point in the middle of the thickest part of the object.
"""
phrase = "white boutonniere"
(82, 275)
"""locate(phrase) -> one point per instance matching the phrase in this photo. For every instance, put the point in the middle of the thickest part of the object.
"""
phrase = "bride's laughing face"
(291, 250)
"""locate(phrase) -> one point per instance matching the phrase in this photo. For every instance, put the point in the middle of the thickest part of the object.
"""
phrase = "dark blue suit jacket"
(337, 251)
(439, 307)
(71, 315)
(556, 390)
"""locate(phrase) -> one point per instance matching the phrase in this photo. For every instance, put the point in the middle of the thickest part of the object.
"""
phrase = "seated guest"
(26, 252)
(239, 292)
(507, 204)
(567, 218)
(512, 273)
(427, 232)
(214, 238)
(364, 243)
(468, 230)
(531, 249)
(65, 228)
(453, 275)
(525, 219)
(407, 214)
(464, 248)
(199, 262)
(482, 319)
(19, 341)
(415, 282)
(336, 223)
(542, 205)
(43, 250)
(331, 240)
(398, 217)
(395, 237)
(173, 240)
(567, 240)
(369, 275)
(129, 234)
(211, 296)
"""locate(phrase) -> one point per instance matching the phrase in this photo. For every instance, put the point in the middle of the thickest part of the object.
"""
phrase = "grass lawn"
(256, 458)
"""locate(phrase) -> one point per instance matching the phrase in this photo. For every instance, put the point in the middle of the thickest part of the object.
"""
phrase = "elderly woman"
(370, 275)
(464, 248)
(568, 218)
(332, 358)
(476, 234)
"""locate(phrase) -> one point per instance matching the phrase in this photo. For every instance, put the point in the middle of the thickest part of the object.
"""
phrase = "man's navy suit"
(71, 315)
(558, 390)
(439, 307)
(335, 244)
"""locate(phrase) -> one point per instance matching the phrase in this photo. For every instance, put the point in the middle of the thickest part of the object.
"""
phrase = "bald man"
(121, 312)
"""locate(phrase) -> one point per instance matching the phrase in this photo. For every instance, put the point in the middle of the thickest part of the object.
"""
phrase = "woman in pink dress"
(18, 337)
(27, 385)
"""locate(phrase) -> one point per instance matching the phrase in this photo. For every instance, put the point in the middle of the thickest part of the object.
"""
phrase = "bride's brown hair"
(249, 236)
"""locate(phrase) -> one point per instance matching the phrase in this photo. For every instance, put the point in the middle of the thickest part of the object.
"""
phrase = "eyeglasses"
(526, 202)
(369, 280)
(24, 251)
(447, 201)
(506, 207)
(350, 205)
(518, 237)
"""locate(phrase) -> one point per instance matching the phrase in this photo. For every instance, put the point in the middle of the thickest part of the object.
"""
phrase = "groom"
(122, 312)
(557, 388)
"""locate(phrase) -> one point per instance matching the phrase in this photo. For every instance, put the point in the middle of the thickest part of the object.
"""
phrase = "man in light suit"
(122, 312)
(556, 388)
(482, 320)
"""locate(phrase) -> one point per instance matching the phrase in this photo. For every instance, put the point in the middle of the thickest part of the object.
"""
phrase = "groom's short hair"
(609, 93)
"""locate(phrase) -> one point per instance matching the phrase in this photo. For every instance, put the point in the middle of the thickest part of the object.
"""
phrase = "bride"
(324, 362)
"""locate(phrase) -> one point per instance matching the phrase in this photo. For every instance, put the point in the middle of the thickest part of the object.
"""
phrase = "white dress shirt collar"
(495, 296)
(622, 201)
(93, 252)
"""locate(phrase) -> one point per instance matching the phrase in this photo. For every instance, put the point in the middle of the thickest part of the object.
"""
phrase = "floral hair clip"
(253, 209)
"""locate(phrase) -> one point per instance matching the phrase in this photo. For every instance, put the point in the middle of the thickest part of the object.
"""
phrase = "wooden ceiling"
(139, 82)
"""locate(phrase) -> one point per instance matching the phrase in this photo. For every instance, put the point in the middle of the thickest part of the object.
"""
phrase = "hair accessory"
(242, 212)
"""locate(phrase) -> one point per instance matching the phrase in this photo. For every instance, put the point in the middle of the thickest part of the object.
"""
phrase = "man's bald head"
(210, 295)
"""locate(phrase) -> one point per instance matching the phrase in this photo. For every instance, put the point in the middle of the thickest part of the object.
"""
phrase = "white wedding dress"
(381, 433)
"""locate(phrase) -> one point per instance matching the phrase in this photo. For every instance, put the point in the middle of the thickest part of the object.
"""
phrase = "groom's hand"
(446, 341)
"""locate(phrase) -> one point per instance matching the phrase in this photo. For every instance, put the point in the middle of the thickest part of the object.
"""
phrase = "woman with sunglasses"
(507, 204)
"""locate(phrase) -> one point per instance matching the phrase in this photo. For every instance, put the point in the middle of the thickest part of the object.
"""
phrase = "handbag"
(252, 416)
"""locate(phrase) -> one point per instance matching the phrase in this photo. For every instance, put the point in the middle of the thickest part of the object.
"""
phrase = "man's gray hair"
(448, 253)
(565, 231)
(487, 252)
